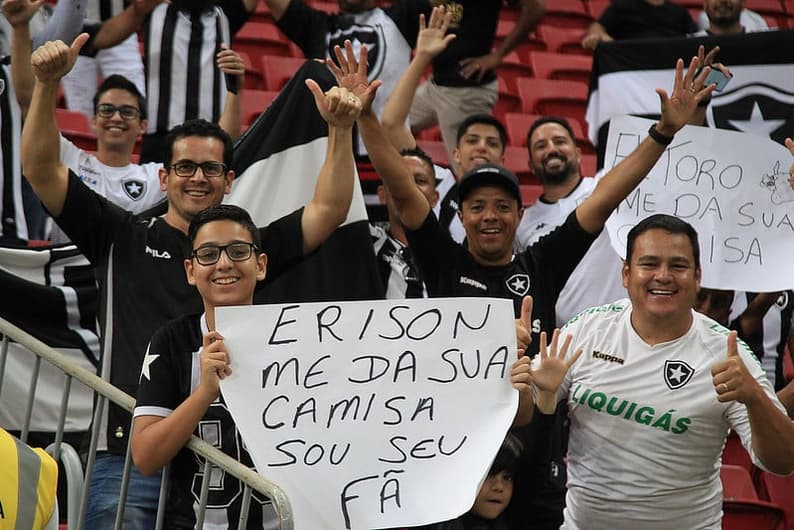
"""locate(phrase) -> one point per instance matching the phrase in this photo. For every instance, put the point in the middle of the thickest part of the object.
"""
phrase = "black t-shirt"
(142, 284)
(637, 19)
(541, 270)
(168, 381)
(474, 24)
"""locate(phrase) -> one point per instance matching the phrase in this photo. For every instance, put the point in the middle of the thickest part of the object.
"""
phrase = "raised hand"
(214, 363)
(351, 74)
(553, 365)
(230, 62)
(790, 146)
(688, 91)
(338, 106)
(53, 59)
(732, 381)
(524, 326)
(19, 12)
(432, 38)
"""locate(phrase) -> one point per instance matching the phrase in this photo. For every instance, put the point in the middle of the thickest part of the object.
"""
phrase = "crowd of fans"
(457, 231)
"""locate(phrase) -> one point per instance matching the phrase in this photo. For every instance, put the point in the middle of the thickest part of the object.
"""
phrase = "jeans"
(140, 512)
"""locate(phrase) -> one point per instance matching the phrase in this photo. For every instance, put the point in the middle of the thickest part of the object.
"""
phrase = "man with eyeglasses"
(139, 260)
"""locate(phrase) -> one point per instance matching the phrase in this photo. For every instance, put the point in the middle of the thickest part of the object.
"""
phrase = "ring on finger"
(724, 387)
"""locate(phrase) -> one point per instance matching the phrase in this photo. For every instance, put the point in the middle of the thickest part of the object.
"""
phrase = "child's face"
(227, 281)
(494, 495)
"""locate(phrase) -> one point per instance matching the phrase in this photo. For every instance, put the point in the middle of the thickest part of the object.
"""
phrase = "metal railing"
(105, 391)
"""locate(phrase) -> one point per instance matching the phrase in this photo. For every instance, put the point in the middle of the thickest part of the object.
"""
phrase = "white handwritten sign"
(732, 187)
(373, 414)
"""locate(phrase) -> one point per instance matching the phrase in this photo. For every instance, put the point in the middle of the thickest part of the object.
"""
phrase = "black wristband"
(659, 137)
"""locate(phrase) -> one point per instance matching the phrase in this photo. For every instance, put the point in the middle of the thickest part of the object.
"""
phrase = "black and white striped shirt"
(182, 80)
(13, 225)
(396, 266)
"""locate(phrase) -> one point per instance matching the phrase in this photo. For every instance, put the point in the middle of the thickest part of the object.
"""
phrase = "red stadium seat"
(547, 65)
(507, 101)
(588, 165)
(512, 68)
(255, 102)
(567, 13)
(737, 484)
(431, 133)
(552, 97)
(436, 150)
(261, 14)
(788, 366)
(260, 38)
(253, 75)
(76, 128)
(597, 7)
(563, 40)
(751, 515)
(517, 161)
(530, 193)
(735, 454)
(278, 70)
(778, 490)
(532, 42)
(517, 126)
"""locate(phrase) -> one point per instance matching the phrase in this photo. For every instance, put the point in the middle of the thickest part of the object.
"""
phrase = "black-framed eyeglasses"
(210, 254)
(107, 110)
(188, 168)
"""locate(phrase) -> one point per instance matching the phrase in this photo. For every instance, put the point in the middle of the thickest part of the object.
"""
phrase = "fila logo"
(162, 254)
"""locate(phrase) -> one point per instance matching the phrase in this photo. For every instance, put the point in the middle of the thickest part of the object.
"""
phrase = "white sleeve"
(70, 154)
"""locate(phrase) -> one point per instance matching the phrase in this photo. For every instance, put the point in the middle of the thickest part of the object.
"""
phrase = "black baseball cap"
(489, 175)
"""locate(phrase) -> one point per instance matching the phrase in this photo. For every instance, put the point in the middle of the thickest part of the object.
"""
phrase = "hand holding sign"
(214, 360)
(790, 146)
(550, 371)
(524, 325)
(732, 380)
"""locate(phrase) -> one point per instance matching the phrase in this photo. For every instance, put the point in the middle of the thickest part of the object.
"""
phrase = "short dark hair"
(550, 119)
(508, 456)
(419, 153)
(486, 119)
(668, 223)
(122, 83)
(224, 212)
(201, 128)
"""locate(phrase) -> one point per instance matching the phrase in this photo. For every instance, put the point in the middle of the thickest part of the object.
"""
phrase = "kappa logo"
(607, 357)
(782, 300)
(677, 374)
(757, 108)
(134, 188)
(518, 283)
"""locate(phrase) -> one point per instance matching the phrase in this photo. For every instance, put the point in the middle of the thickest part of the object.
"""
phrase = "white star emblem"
(676, 373)
(518, 284)
(757, 124)
(147, 362)
(135, 188)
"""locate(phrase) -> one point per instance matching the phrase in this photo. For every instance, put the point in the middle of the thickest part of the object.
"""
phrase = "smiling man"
(138, 260)
(653, 396)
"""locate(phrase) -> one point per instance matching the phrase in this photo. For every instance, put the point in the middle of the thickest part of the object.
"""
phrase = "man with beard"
(554, 159)
(727, 17)
(183, 41)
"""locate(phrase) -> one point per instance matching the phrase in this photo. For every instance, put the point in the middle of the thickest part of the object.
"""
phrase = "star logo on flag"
(518, 284)
(677, 374)
(147, 362)
(756, 108)
(358, 34)
(134, 188)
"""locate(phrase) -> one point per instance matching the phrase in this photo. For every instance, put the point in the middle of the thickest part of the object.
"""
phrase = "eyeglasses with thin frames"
(210, 254)
(107, 110)
(188, 168)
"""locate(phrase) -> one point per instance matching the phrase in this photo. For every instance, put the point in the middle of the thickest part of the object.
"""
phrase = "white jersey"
(597, 279)
(134, 187)
(647, 431)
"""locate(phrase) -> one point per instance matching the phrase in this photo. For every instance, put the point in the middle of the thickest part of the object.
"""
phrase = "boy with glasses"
(138, 260)
(225, 264)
